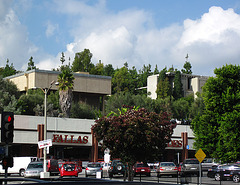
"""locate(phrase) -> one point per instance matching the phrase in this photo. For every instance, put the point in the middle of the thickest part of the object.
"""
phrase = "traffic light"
(7, 127)
(7, 162)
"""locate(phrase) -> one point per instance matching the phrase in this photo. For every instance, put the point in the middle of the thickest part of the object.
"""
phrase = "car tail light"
(175, 168)
(87, 168)
(161, 169)
(100, 168)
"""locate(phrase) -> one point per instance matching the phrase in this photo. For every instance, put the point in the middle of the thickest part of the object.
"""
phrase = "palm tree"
(66, 83)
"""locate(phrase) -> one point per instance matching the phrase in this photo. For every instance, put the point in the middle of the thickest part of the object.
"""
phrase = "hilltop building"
(191, 83)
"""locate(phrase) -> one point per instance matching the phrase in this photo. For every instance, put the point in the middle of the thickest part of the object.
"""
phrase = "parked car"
(211, 171)
(117, 167)
(167, 168)
(69, 169)
(92, 168)
(52, 166)
(34, 169)
(224, 172)
(19, 165)
(190, 167)
(208, 163)
(235, 175)
(142, 169)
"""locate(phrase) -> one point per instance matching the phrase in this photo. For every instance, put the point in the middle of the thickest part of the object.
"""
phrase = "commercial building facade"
(73, 139)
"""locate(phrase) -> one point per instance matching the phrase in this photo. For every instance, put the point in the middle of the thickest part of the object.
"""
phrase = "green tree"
(156, 71)
(217, 128)
(108, 70)
(178, 87)
(187, 68)
(66, 83)
(9, 95)
(121, 80)
(31, 64)
(28, 102)
(163, 85)
(83, 111)
(82, 61)
(9, 70)
(98, 69)
(134, 135)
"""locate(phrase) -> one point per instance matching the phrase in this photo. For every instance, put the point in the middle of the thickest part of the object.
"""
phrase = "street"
(153, 179)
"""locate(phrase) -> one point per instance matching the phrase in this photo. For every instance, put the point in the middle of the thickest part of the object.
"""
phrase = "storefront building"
(72, 139)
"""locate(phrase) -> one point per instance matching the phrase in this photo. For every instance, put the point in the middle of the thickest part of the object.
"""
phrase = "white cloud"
(128, 36)
(15, 45)
(51, 28)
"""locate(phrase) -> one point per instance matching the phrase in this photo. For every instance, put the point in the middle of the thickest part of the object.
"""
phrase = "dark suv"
(190, 166)
(117, 167)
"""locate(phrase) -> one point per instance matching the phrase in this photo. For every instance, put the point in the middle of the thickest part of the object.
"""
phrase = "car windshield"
(142, 165)
(94, 165)
(69, 166)
(167, 164)
(35, 165)
(191, 162)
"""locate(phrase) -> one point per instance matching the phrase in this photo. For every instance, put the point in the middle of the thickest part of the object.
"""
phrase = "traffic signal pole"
(7, 133)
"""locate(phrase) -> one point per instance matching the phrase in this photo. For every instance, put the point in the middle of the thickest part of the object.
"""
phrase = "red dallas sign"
(69, 139)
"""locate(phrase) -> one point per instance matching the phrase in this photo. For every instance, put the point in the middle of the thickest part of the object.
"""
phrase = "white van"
(19, 165)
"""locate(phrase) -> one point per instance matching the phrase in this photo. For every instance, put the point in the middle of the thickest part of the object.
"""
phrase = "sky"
(139, 32)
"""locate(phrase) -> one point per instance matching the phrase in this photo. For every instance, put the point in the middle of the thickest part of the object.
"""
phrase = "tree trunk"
(65, 101)
(130, 172)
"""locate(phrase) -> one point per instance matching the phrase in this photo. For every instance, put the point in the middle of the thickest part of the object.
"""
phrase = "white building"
(191, 83)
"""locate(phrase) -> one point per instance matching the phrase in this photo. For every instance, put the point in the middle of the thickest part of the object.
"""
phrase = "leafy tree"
(31, 64)
(217, 128)
(66, 83)
(27, 102)
(82, 61)
(144, 73)
(156, 71)
(98, 69)
(180, 109)
(134, 135)
(108, 70)
(9, 95)
(163, 86)
(83, 111)
(121, 80)
(187, 68)
(178, 87)
(9, 70)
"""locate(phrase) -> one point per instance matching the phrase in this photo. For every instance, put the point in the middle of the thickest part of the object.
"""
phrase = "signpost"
(200, 155)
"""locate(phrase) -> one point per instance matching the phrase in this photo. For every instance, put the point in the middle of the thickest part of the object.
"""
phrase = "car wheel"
(236, 178)
(110, 175)
(21, 172)
(217, 177)
(86, 175)
(149, 174)
(119, 167)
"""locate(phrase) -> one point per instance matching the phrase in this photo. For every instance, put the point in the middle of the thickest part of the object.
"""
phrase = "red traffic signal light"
(7, 127)
(7, 162)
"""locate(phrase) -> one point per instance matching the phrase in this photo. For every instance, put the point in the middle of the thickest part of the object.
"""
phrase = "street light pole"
(45, 174)
(45, 131)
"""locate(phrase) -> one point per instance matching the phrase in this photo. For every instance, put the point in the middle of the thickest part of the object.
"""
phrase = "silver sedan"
(92, 169)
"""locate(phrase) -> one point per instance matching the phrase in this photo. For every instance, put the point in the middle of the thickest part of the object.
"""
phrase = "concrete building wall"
(191, 84)
(42, 79)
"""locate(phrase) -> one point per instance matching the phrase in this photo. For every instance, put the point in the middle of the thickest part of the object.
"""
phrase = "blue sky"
(139, 32)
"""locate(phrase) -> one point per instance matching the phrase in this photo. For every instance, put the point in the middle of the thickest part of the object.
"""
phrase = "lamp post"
(45, 174)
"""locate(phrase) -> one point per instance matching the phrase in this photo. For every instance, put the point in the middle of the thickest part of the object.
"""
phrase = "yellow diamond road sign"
(200, 155)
